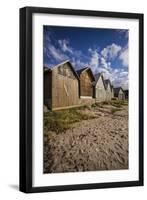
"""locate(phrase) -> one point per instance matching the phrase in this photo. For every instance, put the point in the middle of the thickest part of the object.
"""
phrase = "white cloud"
(104, 63)
(52, 52)
(124, 57)
(76, 56)
(98, 61)
(119, 78)
(64, 44)
(121, 82)
(94, 59)
(56, 53)
(111, 51)
(107, 74)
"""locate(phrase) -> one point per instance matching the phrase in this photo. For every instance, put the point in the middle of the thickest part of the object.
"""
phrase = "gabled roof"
(56, 66)
(112, 87)
(107, 81)
(97, 76)
(79, 71)
(116, 90)
(86, 69)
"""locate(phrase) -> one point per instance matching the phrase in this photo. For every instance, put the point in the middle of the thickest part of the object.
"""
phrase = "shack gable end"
(108, 92)
(65, 70)
(86, 84)
(112, 92)
(100, 83)
(100, 92)
(119, 93)
(108, 88)
(65, 86)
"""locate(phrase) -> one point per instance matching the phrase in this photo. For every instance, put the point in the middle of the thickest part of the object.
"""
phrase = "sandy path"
(96, 144)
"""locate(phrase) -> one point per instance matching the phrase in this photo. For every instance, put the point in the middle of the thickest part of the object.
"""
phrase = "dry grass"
(59, 121)
(116, 103)
(100, 105)
(62, 120)
(113, 110)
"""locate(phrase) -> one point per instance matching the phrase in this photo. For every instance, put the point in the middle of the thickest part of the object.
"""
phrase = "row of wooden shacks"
(64, 87)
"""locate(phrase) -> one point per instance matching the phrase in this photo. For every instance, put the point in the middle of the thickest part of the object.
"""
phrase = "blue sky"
(103, 50)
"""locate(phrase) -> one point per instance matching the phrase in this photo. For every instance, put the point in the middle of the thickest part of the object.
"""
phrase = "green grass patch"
(98, 104)
(84, 107)
(119, 103)
(62, 120)
(116, 103)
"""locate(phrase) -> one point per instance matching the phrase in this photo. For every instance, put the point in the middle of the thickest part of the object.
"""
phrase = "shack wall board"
(112, 93)
(121, 95)
(48, 89)
(100, 92)
(108, 93)
(65, 87)
(86, 87)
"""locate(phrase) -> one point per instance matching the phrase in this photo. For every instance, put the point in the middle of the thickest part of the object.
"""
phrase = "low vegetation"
(113, 110)
(100, 105)
(62, 120)
(59, 121)
(116, 103)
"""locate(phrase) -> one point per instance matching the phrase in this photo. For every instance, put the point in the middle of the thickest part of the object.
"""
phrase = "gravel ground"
(95, 144)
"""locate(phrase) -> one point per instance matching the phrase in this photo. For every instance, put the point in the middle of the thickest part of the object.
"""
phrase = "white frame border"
(132, 174)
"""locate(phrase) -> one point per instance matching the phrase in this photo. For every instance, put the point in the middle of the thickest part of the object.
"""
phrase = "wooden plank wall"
(108, 93)
(86, 88)
(100, 91)
(121, 95)
(65, 89)
(48, 89)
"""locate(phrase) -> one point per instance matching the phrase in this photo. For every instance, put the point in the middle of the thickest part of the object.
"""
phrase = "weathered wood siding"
(108, 93)
(121, 95)
(65, 87)
(112, 93)
(48, 89)
(100, 92)
(86, 87)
